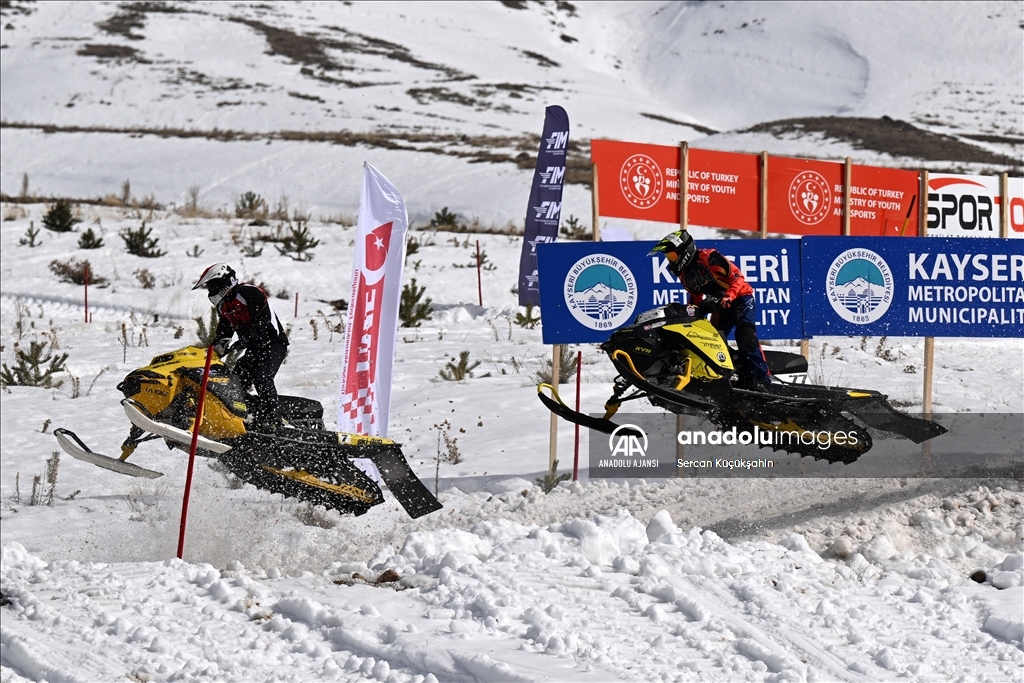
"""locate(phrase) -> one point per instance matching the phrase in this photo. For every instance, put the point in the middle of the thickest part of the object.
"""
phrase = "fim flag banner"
(913, 288)
(544, 210)
(650, 445)
(365, 400)
(590, 289)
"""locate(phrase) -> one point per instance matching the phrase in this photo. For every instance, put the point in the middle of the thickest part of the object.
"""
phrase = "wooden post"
(479, 282)
(595, 203)
(805, 349)
(929, 342)
(929, 361)
(556, 360)
(922, 216)
(684, 185)
(576, 442)
(1004, 201)
(764, 194)
(847, 178)
(86, 269)
(296, 304)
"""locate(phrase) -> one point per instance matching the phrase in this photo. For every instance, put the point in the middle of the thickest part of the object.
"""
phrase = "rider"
(706, 273)
(245, 310)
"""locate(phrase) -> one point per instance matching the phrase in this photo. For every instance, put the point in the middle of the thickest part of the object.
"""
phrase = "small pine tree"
(89, 240)
(456, 372)
(445, 219)
(550, 480)
(298, 244)
(60, 217)
(36, 367)
(139, 243)
(529, 321)
(29, 240)
(411, 311)
(251, 206)
(207, 332)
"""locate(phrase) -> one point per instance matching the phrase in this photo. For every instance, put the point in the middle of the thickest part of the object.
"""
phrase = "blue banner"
(590, 289)
(914, 287)
(545, 207)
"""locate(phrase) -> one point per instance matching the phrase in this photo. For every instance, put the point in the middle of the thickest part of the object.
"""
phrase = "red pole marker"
(192, 450)
(479, 286)
(86, 292)
(576, 446)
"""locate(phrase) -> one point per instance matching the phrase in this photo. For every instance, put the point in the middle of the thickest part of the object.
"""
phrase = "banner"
(637, 181)
(969, 206)
(545, 207)
(641, 181)
(590, 289)
(724, 189)
(913, 288)
(802, 196)
(880, 199)
(372, 326)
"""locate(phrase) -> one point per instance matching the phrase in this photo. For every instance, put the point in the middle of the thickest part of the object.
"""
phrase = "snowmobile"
(677, 359)
(298, 458)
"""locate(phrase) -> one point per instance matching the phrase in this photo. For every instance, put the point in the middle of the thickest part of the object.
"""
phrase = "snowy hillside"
(448, 98)
(728, 579)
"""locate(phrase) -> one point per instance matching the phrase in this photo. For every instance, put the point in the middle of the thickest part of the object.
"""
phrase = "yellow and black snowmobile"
(677, 360)
(299, 458)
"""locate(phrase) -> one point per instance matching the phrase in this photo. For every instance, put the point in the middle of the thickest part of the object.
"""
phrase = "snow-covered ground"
(662, 580)
(818, 579)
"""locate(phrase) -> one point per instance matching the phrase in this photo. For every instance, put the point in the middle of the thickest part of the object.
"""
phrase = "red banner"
(641, 181)
(724, 189)
(637, 181)
(803, 198)
(879, 200)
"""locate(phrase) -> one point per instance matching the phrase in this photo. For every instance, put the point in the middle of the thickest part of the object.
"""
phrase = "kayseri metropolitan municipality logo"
(859, 286)
(600, 291)
(641, 182)
(809, 197)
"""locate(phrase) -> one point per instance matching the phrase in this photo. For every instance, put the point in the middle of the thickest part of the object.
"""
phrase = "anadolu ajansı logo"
(859, 286)
(628, 440)
(601, 292)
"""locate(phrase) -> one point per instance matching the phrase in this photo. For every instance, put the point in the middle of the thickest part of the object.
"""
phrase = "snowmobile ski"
(137, 415)
(77, 449)
(403, 482)
(555, 405)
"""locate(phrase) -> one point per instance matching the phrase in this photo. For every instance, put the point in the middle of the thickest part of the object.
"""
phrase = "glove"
(725, 302)
(708, 305)
(220, 347)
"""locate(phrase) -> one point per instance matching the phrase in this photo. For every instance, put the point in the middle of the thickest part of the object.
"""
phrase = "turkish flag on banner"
(805, 197)
(372, 325)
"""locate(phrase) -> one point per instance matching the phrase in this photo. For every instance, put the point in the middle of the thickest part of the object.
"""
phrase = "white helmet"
(218, 280)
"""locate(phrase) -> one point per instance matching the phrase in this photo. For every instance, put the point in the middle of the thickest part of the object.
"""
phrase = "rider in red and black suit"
(245, 310)
(706, 273)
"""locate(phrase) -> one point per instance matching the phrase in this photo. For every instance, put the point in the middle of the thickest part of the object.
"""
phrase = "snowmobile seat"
(302, 412)
(785, 363)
